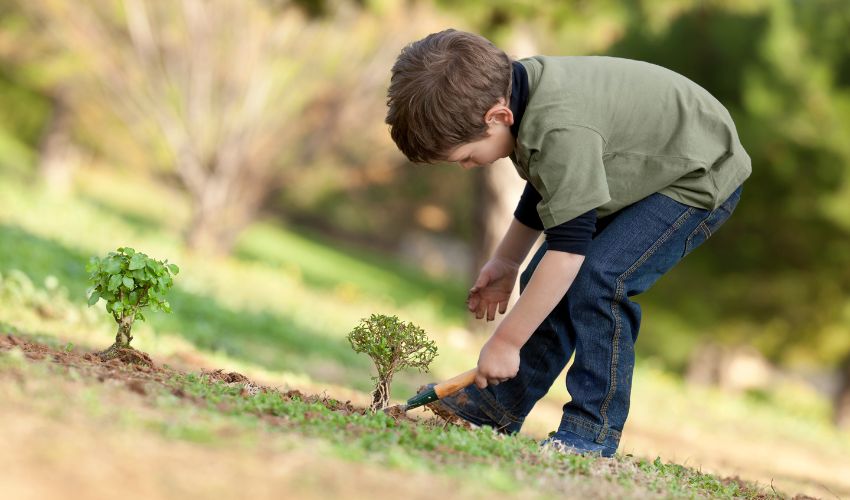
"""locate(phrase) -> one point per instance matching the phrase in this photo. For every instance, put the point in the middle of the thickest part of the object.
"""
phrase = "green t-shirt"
(604, 132)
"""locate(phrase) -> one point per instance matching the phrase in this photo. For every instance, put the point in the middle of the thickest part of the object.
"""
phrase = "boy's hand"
(497, 362)
(493, 288)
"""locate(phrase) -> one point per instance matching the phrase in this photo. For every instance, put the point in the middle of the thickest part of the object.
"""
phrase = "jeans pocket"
(712, 222)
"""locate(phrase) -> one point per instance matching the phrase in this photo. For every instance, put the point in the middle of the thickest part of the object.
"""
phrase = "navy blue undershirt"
(573, 236)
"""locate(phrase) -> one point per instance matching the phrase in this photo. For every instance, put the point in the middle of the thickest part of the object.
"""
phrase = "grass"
(215, 415)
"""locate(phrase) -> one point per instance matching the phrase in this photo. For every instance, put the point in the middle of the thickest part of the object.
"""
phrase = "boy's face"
(499, 142)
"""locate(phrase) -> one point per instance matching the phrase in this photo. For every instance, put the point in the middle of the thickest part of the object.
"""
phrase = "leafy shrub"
(129, 281)
(392, 344)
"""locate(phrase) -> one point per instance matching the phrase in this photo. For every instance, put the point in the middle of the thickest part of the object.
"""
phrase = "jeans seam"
(615, 311)
(705, 229)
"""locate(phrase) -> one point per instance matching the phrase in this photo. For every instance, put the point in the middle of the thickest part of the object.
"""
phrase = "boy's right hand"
(493, 288)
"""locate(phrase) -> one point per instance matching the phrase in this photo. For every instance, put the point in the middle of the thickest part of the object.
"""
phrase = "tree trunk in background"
(57, 156)
(225, 201)
(842, 397)
(498, 189)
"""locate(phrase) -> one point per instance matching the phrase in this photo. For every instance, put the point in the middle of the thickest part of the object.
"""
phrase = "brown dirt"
(138, 372)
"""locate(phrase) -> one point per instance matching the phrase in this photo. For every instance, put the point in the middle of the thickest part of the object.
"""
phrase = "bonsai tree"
(392, 345)
(129, 281)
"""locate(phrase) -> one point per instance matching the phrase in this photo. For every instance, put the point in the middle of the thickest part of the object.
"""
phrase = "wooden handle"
(455, 383)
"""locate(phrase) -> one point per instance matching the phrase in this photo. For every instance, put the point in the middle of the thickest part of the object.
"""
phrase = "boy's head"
(448, 100)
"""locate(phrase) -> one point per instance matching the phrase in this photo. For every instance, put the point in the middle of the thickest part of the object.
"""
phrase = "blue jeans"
(599, 322)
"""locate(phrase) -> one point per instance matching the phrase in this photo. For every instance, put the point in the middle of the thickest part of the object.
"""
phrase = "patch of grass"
(324, 265)
(505, 463)
(678, 481)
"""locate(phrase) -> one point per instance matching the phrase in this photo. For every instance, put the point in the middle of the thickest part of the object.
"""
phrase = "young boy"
(629, 167)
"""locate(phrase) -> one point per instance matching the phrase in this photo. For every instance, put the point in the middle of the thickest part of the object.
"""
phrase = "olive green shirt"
(604, 132)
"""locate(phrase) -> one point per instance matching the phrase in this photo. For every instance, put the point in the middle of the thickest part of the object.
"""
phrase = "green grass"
(322, 264)
(199, 410)
(506, 461)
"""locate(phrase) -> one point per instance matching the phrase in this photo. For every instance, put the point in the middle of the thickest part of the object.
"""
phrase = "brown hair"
(441, 87)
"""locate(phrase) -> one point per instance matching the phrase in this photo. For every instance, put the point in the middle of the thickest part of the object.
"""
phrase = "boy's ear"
(499, 113)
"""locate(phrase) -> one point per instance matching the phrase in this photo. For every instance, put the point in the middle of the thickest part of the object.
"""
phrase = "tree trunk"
(841, 408)
(57, 155)
(224, 203)
(122, 339)
(382, 393)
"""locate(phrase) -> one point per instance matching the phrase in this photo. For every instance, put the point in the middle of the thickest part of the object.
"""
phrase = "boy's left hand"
(497, 362)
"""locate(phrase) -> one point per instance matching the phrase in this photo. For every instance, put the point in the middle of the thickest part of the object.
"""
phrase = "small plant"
(129, 281)
(392, 345)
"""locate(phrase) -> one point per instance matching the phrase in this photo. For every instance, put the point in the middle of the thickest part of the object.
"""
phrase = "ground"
(141, 428)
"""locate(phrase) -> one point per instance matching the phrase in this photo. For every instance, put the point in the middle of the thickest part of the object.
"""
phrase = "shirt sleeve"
(569, 174)
(573, 236)
(526, 209)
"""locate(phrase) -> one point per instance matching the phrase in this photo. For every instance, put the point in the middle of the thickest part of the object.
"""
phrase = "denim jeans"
(598, 321)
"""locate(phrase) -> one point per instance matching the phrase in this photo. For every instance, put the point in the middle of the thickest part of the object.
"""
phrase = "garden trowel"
(439, 391)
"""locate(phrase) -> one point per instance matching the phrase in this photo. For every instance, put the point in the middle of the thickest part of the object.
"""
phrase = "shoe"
(568, 442)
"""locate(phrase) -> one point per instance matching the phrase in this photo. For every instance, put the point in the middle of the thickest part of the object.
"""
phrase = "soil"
(136, 370)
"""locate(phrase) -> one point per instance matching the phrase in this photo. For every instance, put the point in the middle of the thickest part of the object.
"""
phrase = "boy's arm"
(516, 243)
(499, 358)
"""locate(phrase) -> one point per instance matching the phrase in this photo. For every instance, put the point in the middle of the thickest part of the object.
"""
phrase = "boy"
(629, 167)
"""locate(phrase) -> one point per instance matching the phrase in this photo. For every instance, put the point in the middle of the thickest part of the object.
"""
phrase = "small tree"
(392, 345)
(129, 281)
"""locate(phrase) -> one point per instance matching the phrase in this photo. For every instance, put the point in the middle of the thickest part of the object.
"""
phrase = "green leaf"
(93, 298)
(114, 282)
(137, 261)
(129, 251)
(129, 283)
(111, 266)
(173, 268)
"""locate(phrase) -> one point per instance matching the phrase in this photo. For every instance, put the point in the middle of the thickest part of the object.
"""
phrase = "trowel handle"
(455, 383)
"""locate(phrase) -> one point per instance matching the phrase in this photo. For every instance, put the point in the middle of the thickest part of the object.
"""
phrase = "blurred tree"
(28, 83)
(219, 86)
